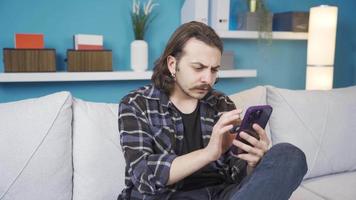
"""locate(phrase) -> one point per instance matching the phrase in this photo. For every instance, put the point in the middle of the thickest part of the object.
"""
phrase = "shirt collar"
(151, 92)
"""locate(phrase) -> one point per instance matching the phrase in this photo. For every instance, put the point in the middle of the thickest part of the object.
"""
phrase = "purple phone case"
(254, 114)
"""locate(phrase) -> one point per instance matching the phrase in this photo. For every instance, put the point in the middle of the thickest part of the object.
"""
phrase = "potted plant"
(141, 18)
(258, 18)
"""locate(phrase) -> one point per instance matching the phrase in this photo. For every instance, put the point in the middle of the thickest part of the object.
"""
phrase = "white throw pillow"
(321, 123)
(251, 97)
(99, 165)
(36, 148)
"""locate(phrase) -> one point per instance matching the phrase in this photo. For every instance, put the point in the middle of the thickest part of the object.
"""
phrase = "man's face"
(197, 69)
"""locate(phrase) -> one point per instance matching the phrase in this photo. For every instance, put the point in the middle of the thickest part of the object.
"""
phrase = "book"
(29, 41)
(220, 14)
(195, 10)
(88, 42)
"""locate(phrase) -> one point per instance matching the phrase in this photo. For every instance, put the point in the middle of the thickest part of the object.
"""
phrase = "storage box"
(29, 60)
(89, 60)
(291, 21)
(227, 60)
(254, 21)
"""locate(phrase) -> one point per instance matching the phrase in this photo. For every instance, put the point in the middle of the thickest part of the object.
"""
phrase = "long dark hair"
(161, 76)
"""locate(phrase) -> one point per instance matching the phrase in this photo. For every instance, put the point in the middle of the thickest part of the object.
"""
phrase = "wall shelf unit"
(254, 35)
(103, 76)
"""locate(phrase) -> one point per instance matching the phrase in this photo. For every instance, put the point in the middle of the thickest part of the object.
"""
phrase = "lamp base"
(319, 77)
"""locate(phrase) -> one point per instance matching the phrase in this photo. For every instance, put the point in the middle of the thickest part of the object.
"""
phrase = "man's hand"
(256, 150)
(221, 139)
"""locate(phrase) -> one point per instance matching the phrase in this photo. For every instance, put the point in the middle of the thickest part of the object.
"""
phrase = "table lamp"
(321, 47)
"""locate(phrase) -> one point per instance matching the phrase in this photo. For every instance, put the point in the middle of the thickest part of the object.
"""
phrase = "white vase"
(139, 55)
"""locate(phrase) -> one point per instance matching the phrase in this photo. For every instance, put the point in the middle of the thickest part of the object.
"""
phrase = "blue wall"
(281, 64)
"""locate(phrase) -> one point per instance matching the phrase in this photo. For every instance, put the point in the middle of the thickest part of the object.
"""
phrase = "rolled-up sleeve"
(148, 170)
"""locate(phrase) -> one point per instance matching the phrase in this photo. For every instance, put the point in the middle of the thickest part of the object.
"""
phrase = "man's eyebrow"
(202, 65)
(216, 67)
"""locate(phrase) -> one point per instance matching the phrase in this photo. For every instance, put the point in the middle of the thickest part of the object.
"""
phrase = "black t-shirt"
(193, 141)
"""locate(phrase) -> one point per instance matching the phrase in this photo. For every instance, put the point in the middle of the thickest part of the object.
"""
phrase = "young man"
(176, 138)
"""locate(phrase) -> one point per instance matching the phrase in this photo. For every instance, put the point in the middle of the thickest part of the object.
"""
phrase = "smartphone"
(255, 114)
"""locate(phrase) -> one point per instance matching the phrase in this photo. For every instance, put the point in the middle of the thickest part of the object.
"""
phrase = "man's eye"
(214, 70)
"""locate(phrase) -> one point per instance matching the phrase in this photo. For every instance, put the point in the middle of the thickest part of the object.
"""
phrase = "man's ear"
(172, 64)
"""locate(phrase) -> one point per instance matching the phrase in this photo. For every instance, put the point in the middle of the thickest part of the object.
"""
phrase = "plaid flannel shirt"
(151, 135)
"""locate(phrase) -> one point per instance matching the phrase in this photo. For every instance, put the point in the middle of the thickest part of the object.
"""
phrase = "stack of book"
(89, 54)
(29, 55)
(88, 42)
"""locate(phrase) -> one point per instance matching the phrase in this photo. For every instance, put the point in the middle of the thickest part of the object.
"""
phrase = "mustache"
(203, 87)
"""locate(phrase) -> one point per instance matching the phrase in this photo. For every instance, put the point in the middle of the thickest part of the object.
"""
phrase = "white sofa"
(61, 147)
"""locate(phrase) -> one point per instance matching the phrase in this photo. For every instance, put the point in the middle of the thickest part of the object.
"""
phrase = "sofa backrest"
(321, 123)
(99, 165)
(36, 148)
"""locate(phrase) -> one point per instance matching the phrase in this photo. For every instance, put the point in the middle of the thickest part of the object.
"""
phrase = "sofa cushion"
(251, 97)
(36, 148)
(321, 123)
(99, 165)
(302, 193)
(338, 186)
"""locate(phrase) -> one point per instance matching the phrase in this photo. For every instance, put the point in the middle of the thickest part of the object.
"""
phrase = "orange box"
(29, 41)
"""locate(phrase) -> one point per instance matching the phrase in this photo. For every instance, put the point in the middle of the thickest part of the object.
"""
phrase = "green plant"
(251, 4)
(141, 17)
(256, 5)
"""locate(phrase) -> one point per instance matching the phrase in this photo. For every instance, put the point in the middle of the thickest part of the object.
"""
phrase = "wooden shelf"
(254, 35)
(103, 76)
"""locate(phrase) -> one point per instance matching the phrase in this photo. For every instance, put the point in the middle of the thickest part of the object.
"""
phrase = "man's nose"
(207, 77)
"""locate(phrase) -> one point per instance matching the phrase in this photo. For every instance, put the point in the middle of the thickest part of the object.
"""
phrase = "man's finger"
(249, 149)
(260, 144)
(231, 119)
(261, 132)
(225, 129)
(232, 112)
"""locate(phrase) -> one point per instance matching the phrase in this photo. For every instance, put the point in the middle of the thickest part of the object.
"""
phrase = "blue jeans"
(277, 175)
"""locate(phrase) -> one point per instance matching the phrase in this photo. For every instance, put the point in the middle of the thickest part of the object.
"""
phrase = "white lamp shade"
(319, 78)
(321, 47)
(322, 35)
